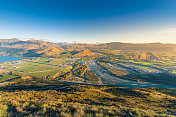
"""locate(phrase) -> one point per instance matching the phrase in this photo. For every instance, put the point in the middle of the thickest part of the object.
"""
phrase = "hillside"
(138, 55)
(44, 51)
(4, 51)
(49, 51)
(85, 52)
(29, 48)
(78, 47)
(85, 101)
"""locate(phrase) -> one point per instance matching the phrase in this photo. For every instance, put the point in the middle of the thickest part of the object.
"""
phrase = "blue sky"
(137, 21)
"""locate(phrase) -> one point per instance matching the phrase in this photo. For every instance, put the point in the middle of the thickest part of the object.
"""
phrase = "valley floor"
(110, 79)
(70, 87)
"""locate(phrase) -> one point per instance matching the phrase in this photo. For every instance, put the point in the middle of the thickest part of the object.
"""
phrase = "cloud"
(168, 30)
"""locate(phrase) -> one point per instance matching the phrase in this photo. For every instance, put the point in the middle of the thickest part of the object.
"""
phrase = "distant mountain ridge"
(112, 45)
(9, 40)
(31, 48)
(49, 49)
(4, 42)
(15, 41)
(137, 47)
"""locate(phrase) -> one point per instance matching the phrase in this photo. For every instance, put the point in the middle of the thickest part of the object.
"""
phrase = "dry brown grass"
(80, 100)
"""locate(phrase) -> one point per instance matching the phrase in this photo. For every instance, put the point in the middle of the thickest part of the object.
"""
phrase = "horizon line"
(76, 42)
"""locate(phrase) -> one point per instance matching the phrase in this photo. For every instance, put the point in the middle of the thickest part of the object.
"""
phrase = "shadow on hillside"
(31, 53)
(74, 52)
(125, 92)
(158, 78)
(10, 88)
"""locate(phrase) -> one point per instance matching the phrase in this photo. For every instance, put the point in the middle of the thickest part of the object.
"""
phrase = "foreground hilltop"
(85, 101)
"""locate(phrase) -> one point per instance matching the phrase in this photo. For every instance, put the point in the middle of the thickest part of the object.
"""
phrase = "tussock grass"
(84, 101)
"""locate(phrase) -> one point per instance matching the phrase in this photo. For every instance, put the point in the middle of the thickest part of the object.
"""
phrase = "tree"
(10, 73)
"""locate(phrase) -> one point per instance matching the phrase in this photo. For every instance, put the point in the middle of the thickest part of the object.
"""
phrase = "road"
(109, 79)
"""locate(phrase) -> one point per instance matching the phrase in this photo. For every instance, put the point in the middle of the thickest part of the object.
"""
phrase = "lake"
(9, 58)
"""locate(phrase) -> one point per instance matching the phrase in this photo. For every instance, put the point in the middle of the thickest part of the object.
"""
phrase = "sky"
(89, 21)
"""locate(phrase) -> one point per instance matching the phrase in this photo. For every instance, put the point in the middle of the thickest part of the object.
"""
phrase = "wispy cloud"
(168, 30)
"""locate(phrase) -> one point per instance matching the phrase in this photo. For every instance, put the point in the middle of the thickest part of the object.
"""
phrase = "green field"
(36, 67)
(46, 73)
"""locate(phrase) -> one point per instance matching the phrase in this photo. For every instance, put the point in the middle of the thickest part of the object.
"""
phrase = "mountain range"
(49, 49)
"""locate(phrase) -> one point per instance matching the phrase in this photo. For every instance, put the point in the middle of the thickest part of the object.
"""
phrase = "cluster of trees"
(77, 70)
(80, 70)
(64, 76)
(90, 76)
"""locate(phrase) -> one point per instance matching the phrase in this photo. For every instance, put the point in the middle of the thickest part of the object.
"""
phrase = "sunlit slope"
(83, 100)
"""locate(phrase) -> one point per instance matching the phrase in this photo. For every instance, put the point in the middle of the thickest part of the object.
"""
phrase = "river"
(108, 79)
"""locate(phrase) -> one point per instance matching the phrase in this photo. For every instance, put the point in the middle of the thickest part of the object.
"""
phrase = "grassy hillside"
(81, 100)
(4, 51)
